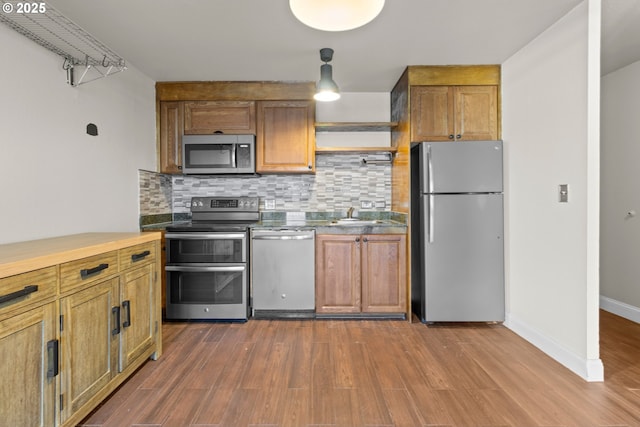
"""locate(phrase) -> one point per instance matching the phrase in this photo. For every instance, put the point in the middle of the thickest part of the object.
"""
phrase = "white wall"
(54, 178)
(550, 127)
(355, 107)
(620, 244)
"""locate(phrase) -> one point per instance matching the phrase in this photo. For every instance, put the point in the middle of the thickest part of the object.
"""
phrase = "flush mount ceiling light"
(326, 89)
(335, 15)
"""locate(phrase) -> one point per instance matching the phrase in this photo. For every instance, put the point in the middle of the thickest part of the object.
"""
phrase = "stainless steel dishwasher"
(283, 273)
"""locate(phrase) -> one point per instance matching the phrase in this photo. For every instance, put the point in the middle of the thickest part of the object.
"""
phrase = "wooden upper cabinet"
(285, 141)
(476, 112)
(454, 113)
(432, 113)
(171, 128)
(229, 117)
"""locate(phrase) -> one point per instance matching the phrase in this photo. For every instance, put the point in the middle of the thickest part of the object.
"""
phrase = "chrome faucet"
(350, 212)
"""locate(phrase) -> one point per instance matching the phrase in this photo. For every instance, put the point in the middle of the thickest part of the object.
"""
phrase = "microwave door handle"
(233, 156)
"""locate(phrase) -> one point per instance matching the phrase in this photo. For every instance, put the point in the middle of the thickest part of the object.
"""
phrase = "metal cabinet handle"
(115, 312)
(18, 294)
(89, 271)
(458, 136)
(451, 136)
(141, 255)
(52, 359)
(126, 306)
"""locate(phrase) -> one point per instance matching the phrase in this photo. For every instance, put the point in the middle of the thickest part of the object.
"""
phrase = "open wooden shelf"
(355, 126)
(346, 150)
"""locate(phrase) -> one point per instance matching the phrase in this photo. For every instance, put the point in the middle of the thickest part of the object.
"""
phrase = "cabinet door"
(337, 274)
(171, 125)
(27, 392)
(384, 284)
(230, 117)
(89, 341)
(138, 314)
(286, 137)
(432, 113)
(476, 113)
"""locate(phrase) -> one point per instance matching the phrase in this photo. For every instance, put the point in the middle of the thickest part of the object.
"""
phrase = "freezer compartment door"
(463, 258)
(461, 167)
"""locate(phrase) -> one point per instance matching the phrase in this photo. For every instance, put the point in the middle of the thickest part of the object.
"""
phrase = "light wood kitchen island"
(78, 315)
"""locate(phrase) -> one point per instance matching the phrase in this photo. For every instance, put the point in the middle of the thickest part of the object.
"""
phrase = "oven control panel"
(225, 204)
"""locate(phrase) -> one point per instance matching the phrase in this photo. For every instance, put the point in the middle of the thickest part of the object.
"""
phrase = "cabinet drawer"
(27, 289)
(136, 255)
(87, 270)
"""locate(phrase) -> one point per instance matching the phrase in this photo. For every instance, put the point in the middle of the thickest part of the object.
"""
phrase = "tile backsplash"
(340, 181)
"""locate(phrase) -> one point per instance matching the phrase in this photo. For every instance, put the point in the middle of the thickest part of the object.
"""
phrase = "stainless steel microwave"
(218, 154)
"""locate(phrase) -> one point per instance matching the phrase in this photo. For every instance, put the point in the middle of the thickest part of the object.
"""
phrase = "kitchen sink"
(355, 221)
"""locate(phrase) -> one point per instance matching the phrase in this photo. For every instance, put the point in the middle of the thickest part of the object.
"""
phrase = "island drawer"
(27, 289)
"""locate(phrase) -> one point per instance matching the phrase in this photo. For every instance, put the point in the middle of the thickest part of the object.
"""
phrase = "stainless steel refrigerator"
(457, 250)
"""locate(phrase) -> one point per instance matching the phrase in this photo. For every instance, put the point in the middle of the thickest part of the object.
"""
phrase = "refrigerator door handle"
(431, 225)
(429, 171)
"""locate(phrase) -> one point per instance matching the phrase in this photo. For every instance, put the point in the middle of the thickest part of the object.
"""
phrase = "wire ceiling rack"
(84, 57)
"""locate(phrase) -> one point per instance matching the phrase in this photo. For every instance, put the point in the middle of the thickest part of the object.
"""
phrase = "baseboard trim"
(591, 370)
(621, 309)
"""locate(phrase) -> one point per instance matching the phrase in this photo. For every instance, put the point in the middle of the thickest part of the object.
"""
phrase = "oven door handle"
(194, 269)
(200, 236)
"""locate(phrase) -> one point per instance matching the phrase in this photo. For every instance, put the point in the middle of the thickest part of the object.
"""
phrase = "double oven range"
(207, 266)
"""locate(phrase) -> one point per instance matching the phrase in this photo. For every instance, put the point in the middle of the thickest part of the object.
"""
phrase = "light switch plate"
(563, 192)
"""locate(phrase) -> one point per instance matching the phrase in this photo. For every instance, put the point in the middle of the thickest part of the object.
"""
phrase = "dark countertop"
(322, 222)
(329, 227)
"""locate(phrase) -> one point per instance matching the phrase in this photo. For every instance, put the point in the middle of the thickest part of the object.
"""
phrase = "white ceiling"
(189, 40)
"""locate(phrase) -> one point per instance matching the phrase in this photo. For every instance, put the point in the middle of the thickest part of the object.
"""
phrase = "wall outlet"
(366, 205)
(269, 204)
(381, 204)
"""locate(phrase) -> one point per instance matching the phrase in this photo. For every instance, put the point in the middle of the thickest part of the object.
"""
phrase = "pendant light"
(326, 89)
(335, 15)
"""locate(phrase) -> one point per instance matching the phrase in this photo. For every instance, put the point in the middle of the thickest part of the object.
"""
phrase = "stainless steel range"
(208, 260)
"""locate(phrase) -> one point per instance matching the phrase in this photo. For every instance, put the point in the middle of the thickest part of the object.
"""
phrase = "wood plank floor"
(345, 373)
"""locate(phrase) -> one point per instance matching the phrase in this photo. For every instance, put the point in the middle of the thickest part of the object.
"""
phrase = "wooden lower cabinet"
(27, 386)
(361, 274)
(71, 333)
(107, 329)
(89, 344)
(138, 314)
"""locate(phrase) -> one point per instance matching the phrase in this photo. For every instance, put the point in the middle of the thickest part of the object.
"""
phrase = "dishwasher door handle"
(301, 237)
